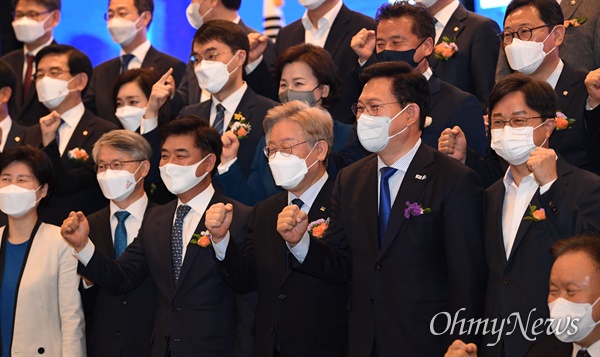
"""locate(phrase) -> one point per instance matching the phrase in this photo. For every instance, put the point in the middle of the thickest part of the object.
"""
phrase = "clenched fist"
(542, 163)
(76, 229)
(49, 126)
(218, 220)
(292, 224)
(363, 44)
(453, 143)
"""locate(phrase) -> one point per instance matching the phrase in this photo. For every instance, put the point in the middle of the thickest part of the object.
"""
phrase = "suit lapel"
(367, 201)
(339, 30)
(104, 238)
(569, 7)
(496, 204)
(163, 228)
(452, 29)
(17, 97)
(524, 225)
(410, 191)
(566, 87)
(82, 133)
(281, 250)
(151, 59)
(434, 84)
(245, 106)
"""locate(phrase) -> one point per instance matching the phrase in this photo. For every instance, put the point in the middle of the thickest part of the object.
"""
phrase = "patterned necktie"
(125, 59)
(177, 241)
(298, 202)
(385, 205)
(28, 76)
(583, 353)
(62, 121)
(121, 233)
(219, 119)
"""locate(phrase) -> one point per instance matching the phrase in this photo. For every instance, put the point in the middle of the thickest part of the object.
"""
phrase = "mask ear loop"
(236, 68)
(542, 124)
(311, 150)
(395, 116)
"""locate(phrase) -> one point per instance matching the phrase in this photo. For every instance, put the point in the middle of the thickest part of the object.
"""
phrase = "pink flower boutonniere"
(78, 155)
(562, 122)
(415, 209)
(318, 228)
(535, 214)
(578, 21)
(202, 239)
(240, 126)
(445, 49)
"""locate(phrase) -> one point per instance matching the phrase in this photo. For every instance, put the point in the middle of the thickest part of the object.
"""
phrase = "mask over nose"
(307, 96)
(195, 19)
(122, 30)
(179, 178)
(572, 321)
(212, 76)
(514, 144)
(52, 91)
(373, 131)
(15, 200)
(407, 56)
(289, 171)
(28, 30)
(526, 56)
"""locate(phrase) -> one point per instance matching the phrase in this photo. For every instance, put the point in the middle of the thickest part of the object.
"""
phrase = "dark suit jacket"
(26, 111)
(427, 264)
(472, 68)
(15, 135)
(550, 347)
(99, 95)
(520, 284)
(116, 325)
(304, 314)
(346, 25)
(75, 184)
(254, 108)
(198, 315)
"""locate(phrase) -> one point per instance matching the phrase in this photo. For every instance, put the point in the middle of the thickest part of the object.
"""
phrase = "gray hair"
(125, 141)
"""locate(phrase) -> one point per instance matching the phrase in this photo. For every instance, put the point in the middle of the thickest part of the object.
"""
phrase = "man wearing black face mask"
(405, 33)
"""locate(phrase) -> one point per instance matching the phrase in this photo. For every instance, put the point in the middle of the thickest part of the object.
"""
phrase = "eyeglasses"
(33, 15)
(372, 109)
(210, 58)
(285, 150)
(115, 165)
(524, 34)
(53, 72)
(516, 122)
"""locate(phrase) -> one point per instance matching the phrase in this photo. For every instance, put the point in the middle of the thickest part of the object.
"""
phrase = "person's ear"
(428, 46)
(144, 168)
(146, 18)
(207, 166)
(322, 148)
(413, 113)
(81, 80)
(43, 190)
(558, 35)
(550, 124)
(5, 94)
(324, 90)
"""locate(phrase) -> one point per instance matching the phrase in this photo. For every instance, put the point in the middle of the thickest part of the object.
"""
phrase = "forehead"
(116, 4)
(523, 16)
(108, 153)
(178, 142)
(298, 69)
(28, 5)
(286, 130)
(395, 27)
(17, 168)
(379, 89)
(577, 267)
(512, 102)
(130, 89)
(54, 60)
(212, 45)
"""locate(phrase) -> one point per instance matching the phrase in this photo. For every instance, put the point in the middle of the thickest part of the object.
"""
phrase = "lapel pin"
(573, 2)
(565, 93)
(85, 132)
(322, 209)
(456, 29)
(420, 177)
(17, 139)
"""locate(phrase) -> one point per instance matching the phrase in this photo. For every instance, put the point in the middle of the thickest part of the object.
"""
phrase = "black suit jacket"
(198, 315)
(300, 313)
(520, 283)
(426, 265)
(116, 325)
(346, 24)
(26, 111)
(254, 108)
(75, 184)
(99, 95)
(550, 347)
(15, 135)
(472, 68)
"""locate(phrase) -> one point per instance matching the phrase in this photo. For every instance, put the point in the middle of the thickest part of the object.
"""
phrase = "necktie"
(219, 119)
(121, 233)
(385, 205)
(125, 59)
(62, 121)
(28, 75)
(298, 202)
(583, 353)
(177, 241)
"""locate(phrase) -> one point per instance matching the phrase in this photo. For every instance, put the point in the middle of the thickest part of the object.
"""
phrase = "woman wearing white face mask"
(40, 305)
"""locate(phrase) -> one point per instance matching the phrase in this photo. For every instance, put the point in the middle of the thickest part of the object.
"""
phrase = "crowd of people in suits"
(360, 186)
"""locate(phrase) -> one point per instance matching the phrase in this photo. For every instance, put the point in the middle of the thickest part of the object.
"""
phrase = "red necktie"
(28, 76)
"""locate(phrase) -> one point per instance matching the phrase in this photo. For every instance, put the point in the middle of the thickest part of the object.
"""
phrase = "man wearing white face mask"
(127, 22)
(196, 312)
(68, 133)
(119, 325)
(34, 23)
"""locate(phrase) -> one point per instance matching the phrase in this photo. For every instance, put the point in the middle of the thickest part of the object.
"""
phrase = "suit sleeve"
(485, 52)
(487, 168)
(592, 133)
(470, 120)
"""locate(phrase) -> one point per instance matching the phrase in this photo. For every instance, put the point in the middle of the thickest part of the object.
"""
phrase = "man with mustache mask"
(34, 23)
(128, 22)
(196, 312)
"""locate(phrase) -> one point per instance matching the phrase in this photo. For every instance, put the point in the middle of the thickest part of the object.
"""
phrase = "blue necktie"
(125, 59)
(121, 233)
(62, 121)
(385, 205)
(177, 241)
(219, 119)
(298, 202)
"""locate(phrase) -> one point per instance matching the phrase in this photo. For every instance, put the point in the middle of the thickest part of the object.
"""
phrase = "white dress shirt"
(230, 103)
(139, 54)
(318, 36)
(133, 222)
(66, 130)
(552, 80)
(593, 350)
(5, 125)
(33, 53)
(442, 17)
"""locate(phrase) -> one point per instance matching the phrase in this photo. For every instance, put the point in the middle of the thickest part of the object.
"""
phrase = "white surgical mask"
(572, 321)
(514, 144)
(15, 200)
(28, 30)
(213, 76)
(426, 3)
(52, 91)
(373, 131)
(180, 179)
(311, 4)
(117, 185)
(526, 56)
(122, 30)
(130, 116)
(289, 171)
(193, 15)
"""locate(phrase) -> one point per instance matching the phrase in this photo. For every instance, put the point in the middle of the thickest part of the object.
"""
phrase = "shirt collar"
(136, 209)
(231, 103)
(428, 73)
(140, 51)
(327, 19)
(402, 163)
(5, 124)
(444, 15)
(73, 115)
(552, 80)
(200, 202)
(309, 196)
(593, 350)
(36, 50)
(508, 179)
(237, 20)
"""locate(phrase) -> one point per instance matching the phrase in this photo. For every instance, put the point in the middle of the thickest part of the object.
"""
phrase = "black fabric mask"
(405, 56)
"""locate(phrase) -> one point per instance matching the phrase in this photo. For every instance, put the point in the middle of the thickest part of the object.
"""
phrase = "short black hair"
(226, 32)
(423, 24)
(232, 4)
(206, 138)
(587, 243)
(539, 95)
(51, 5)
(550, 11)
(78, 61)
(8, 77)
(37, 160)
(408, 85)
